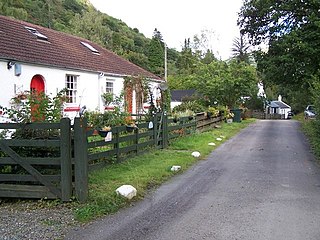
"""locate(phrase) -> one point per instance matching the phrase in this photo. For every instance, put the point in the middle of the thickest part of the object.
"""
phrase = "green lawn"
(148, 171)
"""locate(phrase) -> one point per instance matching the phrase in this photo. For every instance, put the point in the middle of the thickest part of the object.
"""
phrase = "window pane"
(71, 85)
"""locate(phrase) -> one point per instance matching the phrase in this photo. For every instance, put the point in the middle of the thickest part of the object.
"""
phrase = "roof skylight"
(92, 49)
(37, 33)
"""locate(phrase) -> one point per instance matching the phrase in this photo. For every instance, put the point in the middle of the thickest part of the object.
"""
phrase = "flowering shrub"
(29, 107)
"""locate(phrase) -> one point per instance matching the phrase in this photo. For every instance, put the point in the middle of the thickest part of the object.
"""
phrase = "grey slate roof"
(178, 95)
(278, 104)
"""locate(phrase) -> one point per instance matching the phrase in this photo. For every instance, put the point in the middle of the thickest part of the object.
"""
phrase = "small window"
(37, 33)
(92, 49)
(109, 87)
(71, 86)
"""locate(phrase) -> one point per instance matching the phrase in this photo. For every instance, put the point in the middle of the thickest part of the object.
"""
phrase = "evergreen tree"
(240, 49)
(156, 54)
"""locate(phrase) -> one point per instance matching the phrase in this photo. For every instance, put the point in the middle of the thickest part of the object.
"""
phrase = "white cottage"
(37, 58)
(279, 107)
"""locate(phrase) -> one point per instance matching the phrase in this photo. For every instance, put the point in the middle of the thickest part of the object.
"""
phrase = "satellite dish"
(163, 86)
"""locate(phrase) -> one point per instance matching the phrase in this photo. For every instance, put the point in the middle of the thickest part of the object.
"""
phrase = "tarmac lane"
(262, 184)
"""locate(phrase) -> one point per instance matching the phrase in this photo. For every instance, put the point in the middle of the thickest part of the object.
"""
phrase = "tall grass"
(148, 171)
(312, 130)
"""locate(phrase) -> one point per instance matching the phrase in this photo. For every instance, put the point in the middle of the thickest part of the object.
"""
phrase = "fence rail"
(36, 167)
(42, 166)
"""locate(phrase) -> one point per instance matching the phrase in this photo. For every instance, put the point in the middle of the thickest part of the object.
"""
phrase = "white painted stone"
(211, 144)
(175, 168)
(219, 139)
(196, 154)
(127, 191)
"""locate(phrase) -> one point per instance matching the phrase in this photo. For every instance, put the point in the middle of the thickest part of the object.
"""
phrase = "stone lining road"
(262, 184)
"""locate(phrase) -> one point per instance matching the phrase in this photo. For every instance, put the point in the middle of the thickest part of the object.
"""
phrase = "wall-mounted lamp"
(10, 64)
(101, 74)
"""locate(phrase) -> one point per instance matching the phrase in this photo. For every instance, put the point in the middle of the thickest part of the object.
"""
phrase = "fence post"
(81, 159)
(155, 129)
(116, 145)
(65, 158)
(165, 133)
(136, 140)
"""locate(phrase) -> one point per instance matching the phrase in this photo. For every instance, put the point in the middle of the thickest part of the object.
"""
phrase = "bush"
(192, 106)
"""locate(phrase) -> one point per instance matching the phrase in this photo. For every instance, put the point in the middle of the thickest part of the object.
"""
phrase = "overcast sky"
(180, 19)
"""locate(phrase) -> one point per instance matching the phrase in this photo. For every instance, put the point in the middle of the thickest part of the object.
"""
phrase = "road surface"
(262, 184)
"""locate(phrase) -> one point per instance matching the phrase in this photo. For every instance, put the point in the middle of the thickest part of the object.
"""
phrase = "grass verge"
(311, 128)
(147, 171)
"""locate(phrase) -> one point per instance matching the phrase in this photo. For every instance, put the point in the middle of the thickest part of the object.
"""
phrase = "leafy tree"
(226, 84)
(291, 29)
(89, 26)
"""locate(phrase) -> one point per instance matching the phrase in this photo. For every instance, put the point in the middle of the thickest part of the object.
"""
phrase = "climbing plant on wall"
(138, 84)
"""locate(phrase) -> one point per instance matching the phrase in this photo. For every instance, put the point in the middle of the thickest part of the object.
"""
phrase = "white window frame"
(109, 89)
(72, 87)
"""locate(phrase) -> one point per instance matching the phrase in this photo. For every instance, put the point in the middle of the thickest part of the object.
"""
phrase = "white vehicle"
(309, 113)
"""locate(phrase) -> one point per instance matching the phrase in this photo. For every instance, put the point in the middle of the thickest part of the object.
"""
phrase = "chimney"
(280, 98)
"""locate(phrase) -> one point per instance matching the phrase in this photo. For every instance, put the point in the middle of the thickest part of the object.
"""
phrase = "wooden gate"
(29, 170)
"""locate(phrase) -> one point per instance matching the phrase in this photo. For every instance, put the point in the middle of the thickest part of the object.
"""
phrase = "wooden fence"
(58, 167)
(36, 167)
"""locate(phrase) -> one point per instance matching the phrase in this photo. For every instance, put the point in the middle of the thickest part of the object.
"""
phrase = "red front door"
(37, 84)
(37, 91)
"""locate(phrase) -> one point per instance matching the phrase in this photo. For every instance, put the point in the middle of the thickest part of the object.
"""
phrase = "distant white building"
(278, 107)
(177, 96)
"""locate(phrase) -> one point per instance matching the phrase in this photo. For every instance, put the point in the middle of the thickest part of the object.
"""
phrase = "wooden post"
(155, 129)
(165, 133)
(116, 145)
(65, 159)
(81, 159)
(136, 141)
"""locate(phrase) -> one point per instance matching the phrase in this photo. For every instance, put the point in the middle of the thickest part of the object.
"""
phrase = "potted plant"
(229, 117)
(130, 125)
(104, 131)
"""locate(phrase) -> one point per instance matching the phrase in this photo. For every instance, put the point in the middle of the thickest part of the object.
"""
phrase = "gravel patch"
(32, 220)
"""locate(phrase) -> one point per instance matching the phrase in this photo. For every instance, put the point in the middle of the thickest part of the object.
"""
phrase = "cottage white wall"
(117, 87)
(174, 104)
(7, 80)
(285, 112)
(90, 84)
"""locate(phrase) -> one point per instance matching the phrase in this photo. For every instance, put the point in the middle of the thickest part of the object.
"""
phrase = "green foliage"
(156, 54)
(193, 106)
(187, 61)
(89, 25)
(36, 107)
(224, 84)
(315, 91)
(312, 130)
(291, 29)
(240, 50)
(214, 112)
(116, 117)
(255, 103)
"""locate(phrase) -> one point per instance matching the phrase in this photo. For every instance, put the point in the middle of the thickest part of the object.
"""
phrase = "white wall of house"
(174, 104)
(90, 85)
(285, 111)
(282, 111)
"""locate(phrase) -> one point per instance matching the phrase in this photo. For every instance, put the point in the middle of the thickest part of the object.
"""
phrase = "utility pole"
(165, 63)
